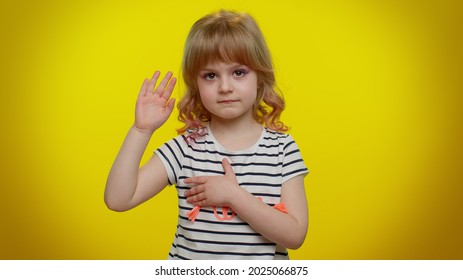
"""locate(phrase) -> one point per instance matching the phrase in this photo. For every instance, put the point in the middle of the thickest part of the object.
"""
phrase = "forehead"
(220, 50)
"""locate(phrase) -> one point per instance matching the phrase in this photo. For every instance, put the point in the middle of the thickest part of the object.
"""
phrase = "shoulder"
(175, 146)
(188, 137)
(285, 141)
(275, 136)
(191, 140)
(269, 133)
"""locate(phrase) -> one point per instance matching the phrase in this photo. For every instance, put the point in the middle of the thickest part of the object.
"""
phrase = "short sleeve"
(171, 154)
(293, 164)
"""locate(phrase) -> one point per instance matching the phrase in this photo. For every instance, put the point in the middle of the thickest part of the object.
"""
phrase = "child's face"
(227, 90)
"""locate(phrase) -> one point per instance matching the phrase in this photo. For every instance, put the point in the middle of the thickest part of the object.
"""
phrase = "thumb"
(227, 167)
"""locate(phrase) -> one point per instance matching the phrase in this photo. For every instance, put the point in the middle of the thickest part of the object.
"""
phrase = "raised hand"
(213, 190)
(154, 106)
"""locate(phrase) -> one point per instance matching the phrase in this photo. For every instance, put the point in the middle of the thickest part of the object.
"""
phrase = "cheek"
(206, 96)
(251, 89)
(253, 83)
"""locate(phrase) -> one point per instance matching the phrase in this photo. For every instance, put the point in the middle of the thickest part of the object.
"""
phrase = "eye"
(239, 73)
(209, 76)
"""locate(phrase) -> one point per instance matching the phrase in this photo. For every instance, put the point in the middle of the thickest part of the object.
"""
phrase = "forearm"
(281, 228)
(123, 177)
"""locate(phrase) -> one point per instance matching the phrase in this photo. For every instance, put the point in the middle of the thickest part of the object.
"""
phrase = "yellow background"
(374, 96)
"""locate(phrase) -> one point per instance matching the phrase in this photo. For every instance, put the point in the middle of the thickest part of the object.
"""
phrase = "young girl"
(239, 178)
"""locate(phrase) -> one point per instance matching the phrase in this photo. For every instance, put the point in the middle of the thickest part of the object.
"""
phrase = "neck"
(234, 127)
(236, 134)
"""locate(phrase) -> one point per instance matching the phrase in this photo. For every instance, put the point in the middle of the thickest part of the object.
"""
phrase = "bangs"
(225, 46)
(225, 38)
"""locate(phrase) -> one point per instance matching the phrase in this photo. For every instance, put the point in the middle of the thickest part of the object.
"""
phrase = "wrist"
(237, 197)
(142, 132)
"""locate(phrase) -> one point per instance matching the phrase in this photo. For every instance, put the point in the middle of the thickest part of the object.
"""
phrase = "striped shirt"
(260, 169)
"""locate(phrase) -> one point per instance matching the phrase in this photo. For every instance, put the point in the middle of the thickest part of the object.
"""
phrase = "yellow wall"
(373, 94)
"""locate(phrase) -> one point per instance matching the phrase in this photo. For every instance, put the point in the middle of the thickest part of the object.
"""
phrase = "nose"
(225, 85)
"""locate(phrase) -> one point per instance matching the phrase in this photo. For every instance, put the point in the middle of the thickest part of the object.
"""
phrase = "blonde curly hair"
(228, 36)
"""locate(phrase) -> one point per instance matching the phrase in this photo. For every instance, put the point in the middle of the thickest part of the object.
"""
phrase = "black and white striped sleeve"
(293, 164)
(171, 155)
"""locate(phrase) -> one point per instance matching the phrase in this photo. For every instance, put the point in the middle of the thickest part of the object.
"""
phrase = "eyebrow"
(232, 66)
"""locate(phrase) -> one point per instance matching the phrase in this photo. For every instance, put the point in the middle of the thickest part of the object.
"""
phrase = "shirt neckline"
(221, 148)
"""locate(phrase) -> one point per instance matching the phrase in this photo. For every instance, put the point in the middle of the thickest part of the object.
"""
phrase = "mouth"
(227, 101)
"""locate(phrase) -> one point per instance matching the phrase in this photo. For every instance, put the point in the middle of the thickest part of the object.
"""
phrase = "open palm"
(154, 106)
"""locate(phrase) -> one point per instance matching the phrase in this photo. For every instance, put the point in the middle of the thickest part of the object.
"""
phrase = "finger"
(194, 191)
(170, 105)
(143, 88)
(162, 85)
(201, 203)
(153, 81)
(195, 199)
(195, 180)
(170, 88)
(227, 167)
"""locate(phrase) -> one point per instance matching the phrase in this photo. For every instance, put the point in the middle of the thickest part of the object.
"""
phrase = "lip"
(227, 101)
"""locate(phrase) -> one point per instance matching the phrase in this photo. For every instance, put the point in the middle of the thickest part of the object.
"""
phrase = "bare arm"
(288, 230)
(128, 185)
